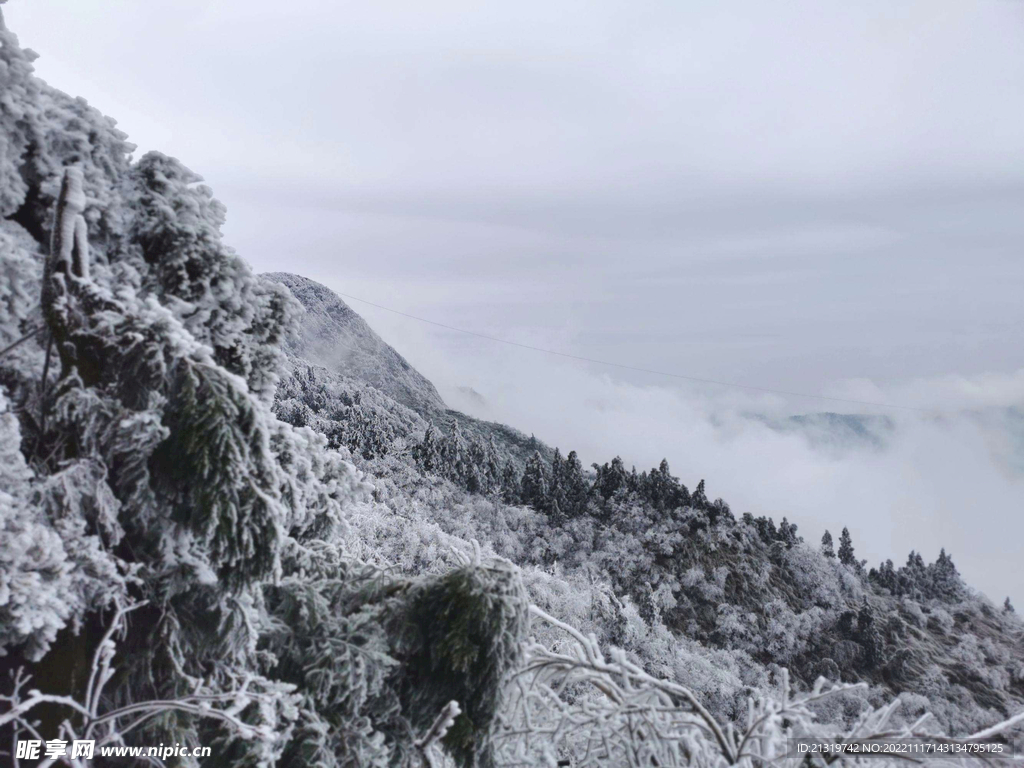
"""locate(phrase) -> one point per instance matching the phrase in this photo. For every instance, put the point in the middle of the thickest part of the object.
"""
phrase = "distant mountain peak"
(333, 335)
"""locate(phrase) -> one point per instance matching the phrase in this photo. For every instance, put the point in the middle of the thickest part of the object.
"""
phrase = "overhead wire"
(612, 364)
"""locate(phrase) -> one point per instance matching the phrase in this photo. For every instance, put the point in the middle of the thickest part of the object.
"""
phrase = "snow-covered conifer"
(511, 488)
(534, 487)
(826, 545)
(846, 554)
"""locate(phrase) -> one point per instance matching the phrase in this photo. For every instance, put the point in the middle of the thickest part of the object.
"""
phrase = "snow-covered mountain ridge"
(331, 334)
(208, 539)
(738, 583)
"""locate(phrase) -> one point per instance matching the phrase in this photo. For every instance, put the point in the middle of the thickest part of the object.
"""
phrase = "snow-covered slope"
(306, 559)
(334, 336)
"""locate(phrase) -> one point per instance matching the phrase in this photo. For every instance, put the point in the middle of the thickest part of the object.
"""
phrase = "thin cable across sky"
(624, 366)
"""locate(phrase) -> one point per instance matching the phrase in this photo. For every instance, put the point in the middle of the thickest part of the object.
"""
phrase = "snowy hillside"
(738, 583)
(334, 336)
(296, 556)
(345, 351)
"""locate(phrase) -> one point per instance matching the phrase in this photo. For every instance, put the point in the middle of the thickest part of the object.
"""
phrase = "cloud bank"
(951, 475)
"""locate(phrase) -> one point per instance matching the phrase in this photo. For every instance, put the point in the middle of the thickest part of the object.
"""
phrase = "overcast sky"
(816, 196)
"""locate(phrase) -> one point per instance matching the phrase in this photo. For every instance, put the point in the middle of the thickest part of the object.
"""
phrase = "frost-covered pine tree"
(846, 553)
(511, 489)
(534, 486)
(787, 533)
(454, 455)
(492, 467)
(699, 499)
(663, 487)
(574, 484)
(945, 579)
(556, 489)
(428, 451)
(826, 545)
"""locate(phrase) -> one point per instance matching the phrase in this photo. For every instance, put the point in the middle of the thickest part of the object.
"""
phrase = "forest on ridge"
(218, 530)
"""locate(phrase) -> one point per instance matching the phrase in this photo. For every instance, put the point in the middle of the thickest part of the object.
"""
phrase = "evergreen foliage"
(161, 455)
(534, 484)
(846, 555)
(459, 638)
(146, 468)
(826, 545)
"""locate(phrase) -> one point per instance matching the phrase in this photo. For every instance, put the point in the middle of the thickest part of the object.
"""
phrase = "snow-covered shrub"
(336, 653)
(51, 570)
(459, 638)
(582, 706)
(175, 228)
(255, 711)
